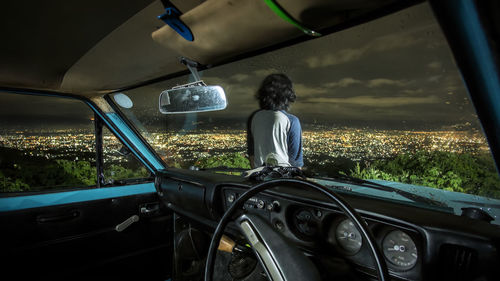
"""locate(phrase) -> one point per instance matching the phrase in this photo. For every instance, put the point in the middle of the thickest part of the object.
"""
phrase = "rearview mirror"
(192, 99)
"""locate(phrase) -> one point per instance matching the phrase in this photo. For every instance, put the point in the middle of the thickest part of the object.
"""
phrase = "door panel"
(79, 239)
(65, 186)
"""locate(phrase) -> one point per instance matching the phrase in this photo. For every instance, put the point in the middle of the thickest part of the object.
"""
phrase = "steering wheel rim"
(380, 265)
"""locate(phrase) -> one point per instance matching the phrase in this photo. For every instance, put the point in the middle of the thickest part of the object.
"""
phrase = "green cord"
(278, 10)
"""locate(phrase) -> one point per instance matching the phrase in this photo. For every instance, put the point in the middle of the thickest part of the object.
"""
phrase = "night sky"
(396, 72)
(40, 112)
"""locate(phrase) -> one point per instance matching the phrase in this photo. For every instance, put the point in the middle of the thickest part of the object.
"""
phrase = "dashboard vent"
(457, 262)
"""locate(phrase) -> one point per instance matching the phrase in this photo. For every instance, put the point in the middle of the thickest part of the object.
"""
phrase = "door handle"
(150, 208)
(122, 226)
(58, 217)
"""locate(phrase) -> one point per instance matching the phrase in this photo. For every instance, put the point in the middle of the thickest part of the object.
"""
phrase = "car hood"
(454, 201)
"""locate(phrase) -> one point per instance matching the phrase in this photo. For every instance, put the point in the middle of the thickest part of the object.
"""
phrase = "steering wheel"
(280, 258)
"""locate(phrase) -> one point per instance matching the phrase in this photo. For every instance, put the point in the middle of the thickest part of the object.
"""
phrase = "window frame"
(100, 120)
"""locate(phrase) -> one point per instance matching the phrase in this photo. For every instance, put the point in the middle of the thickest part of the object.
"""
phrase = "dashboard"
(325, 231)
(417, 243)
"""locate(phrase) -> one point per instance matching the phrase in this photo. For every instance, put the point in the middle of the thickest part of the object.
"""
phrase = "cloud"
(372, 101)
(413, 92)
(240, 77)
(435, 65)
(235, 91)
(344, 112)
(303, 91)
(342, 83)
(380, 44)
(451, 83)
(265, 72)
(434, 79)
(395, 41)
(342, 56)
(373, 83)
(385, 82)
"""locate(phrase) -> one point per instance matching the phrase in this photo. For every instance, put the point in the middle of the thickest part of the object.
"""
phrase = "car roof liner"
(252, 25)
(38, 48)
(57, 48)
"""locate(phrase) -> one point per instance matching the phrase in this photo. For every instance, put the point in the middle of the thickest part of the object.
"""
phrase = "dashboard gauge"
(305, 224)
(348, 236)
(399, 249)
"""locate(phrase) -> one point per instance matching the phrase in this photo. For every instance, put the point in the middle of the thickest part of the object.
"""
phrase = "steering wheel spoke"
(281, 259)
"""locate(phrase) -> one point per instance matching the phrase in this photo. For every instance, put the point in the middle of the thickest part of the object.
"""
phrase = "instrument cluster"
(330, 231)
(400, 245)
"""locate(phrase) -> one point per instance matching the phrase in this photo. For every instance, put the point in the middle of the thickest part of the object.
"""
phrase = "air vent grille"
(457, 262)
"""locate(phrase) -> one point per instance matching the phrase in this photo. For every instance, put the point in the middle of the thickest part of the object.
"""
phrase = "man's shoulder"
(276, 116)
(291, 117)
(254, 113)
(252, 116)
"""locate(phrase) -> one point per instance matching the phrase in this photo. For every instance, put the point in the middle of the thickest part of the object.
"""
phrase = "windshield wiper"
(351, 180)
(377, 186)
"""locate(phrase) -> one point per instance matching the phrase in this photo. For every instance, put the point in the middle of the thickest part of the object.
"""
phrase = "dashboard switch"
(275, 206)
(279, 225)
(319, 214)
(261, 204)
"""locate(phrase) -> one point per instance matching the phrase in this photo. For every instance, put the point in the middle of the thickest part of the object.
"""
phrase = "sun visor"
(225, 28)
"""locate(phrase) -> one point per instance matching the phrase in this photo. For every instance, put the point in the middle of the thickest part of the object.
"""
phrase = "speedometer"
(348, 236)
(399, 249)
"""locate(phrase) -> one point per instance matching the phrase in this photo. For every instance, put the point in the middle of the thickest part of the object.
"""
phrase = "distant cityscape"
(72, 144)
(320, 145)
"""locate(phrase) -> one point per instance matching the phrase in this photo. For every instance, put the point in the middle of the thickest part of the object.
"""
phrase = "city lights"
(319, 144)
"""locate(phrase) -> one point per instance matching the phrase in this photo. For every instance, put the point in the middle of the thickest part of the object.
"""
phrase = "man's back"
(275, 133)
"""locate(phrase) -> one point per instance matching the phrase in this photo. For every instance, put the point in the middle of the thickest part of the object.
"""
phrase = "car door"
(75, 202)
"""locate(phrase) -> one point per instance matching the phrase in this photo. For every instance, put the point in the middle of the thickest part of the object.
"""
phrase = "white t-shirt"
(277, 135)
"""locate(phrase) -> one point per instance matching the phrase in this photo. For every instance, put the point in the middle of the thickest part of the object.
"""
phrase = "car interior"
(108, 173)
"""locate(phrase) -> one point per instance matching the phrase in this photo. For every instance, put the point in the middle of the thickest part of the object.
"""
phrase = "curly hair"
(276, 92)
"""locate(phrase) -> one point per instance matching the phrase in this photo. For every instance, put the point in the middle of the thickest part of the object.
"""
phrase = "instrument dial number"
(348, 237)
(399, 249)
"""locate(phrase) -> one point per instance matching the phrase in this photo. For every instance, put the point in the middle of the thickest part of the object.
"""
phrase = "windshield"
(382, 101)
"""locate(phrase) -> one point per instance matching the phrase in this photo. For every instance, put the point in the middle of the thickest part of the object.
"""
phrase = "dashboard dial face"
(348, 236)
(399, 249)
(305, 224)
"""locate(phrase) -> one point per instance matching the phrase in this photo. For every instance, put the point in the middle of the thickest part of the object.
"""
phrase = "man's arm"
(294, 140)
(250, 142)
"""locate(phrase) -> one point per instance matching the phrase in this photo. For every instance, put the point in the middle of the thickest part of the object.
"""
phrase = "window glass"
(120, 166)
(46, 143)
(381, 101)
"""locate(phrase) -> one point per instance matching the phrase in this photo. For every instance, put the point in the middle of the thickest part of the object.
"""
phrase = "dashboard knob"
(274, 207)
(261, 204)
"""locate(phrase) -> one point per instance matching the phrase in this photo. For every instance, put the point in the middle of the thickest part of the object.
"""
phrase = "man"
(274, 136)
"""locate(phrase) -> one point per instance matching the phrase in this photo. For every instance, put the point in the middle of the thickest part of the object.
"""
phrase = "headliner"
(94, 47)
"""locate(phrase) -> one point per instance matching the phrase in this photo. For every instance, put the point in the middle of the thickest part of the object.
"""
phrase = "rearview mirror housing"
(192, 99)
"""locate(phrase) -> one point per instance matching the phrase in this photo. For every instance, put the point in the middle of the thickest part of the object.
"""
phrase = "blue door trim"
(143, 149)
(67, 197)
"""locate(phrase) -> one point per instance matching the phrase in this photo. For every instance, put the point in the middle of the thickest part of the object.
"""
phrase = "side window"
(120, 166)
(46, 143)
(49, 143)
